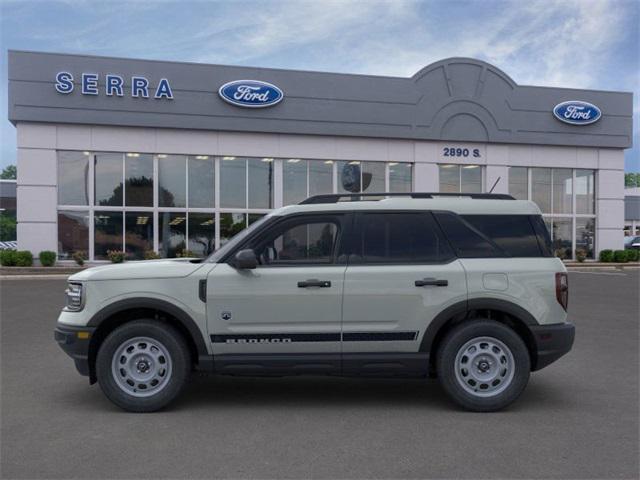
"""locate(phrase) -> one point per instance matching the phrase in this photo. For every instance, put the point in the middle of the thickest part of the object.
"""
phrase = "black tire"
(179, 360)
(452, 383)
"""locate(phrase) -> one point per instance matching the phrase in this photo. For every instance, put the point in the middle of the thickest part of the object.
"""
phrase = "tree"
(632, 179)
(9, 173)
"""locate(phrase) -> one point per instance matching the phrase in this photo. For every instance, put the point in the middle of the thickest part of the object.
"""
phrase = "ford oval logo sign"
(576, 112)
(250, 93)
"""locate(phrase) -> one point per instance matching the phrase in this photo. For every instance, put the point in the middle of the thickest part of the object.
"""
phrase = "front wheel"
(483, 365)
(143, 365)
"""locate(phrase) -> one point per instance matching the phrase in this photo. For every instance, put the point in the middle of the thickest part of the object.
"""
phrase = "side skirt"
(348, 364)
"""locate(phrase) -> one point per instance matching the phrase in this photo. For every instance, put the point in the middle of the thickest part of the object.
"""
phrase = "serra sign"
(113, 85)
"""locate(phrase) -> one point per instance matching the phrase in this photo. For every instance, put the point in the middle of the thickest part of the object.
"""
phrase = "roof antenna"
(494, 185)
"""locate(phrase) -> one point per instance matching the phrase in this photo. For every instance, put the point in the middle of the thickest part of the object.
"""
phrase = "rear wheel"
(483, 365)
(143, 365)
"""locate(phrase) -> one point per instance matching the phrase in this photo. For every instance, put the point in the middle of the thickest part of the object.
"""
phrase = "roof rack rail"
(360, 197)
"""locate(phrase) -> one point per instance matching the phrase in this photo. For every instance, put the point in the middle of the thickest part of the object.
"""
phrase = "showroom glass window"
(172, 180)
(519, 183)
(108, 233)
(585, 192)
(73, 178)
(201, 181)
(138, 175)
(202, 233)
(73, 233)
(305, 178)
(172, 233)
(567, 200)
(108, 179)
(357, 176)
(460, 178)
(400, 177)
(138, 234)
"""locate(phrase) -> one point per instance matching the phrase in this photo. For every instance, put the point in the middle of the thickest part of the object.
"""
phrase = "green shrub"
(116, 256)
(47, 258)
(80, 256)
(151, 255)
(606, 256)
(7, 258)
(186, 253)
(633, 255)
(620, 256)
(24, 258)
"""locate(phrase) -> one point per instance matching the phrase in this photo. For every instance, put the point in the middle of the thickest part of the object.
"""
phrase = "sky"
(568, 43)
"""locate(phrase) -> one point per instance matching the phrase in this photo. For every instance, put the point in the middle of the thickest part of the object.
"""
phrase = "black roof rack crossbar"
(359, 197)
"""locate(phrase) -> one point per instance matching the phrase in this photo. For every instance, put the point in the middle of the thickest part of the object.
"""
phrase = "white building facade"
(101, 168)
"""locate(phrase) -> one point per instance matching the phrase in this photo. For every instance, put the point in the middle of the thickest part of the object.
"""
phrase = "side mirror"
(245, 260)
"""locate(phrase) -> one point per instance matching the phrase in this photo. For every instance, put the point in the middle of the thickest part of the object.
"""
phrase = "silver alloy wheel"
(141, 366)
(484, 366)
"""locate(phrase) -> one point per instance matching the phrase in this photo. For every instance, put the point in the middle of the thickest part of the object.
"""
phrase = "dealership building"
(137, 155)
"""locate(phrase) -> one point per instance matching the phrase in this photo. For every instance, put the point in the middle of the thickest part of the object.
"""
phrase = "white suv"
(462, 287)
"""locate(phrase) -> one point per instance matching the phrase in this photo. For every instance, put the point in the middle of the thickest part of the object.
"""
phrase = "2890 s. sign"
(577, 112)
(250, 93)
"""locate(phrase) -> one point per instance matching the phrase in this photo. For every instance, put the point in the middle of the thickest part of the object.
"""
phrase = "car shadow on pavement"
(312, 392)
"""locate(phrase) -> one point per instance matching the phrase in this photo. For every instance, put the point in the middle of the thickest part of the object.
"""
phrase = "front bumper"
(75, 342)
(552, 342)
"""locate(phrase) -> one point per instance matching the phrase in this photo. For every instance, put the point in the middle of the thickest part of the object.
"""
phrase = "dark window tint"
(467, 242)
(542, 232)
(400, 238)
(300, 242)
(512, 233)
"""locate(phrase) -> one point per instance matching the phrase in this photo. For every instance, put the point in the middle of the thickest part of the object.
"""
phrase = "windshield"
(235, 240)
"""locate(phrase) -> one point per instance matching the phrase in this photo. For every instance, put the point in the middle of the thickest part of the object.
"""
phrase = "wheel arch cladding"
(123, 311)
(502, 311)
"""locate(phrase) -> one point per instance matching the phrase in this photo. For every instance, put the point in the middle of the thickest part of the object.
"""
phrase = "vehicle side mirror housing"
(245, 260)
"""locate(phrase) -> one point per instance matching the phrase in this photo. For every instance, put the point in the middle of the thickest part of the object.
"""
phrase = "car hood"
(167, 268)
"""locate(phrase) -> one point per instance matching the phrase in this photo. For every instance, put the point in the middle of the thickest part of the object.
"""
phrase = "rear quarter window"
(514, 234)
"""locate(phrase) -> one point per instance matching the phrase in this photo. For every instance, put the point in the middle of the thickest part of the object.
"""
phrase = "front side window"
(399, 238)
(311, 241)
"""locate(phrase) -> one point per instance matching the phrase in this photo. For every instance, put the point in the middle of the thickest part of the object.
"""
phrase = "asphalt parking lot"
(578, 418)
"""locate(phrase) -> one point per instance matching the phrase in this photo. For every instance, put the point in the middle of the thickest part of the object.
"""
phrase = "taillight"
(562, 289)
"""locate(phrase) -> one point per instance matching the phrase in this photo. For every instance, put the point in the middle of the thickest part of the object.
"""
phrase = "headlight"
(75, 298)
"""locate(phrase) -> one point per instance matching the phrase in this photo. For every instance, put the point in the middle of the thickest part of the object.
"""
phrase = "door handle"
(426, 282)
(314, 283)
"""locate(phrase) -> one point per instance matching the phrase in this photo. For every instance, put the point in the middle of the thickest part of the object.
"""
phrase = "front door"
(401, 274)
(290, 305)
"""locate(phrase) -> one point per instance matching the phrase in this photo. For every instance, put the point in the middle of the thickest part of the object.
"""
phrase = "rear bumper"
(74, 345)
(552, 342)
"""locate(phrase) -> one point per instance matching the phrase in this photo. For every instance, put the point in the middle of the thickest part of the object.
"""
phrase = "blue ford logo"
(250, 93)
(576, 112)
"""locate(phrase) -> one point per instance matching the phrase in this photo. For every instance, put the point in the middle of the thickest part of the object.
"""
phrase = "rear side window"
(467, 241)
(399, 238)
(512, 233)
(544, 238)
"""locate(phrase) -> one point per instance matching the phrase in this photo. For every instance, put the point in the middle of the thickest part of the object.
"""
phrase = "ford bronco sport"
(463, 287)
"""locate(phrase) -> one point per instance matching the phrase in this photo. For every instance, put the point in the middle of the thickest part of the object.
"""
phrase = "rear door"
(401, 274)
